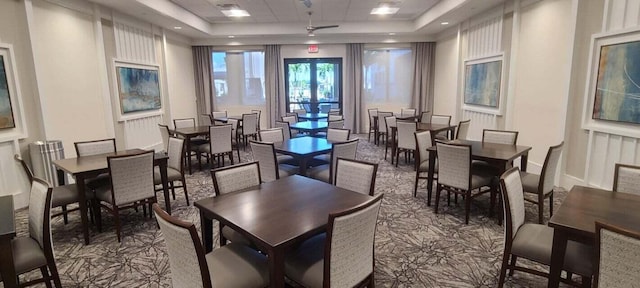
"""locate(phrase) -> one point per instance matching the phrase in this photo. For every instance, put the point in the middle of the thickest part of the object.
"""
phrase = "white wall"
(445, 88)
(180, 79)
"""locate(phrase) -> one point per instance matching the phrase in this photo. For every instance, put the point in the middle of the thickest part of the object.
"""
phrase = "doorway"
(313, 84)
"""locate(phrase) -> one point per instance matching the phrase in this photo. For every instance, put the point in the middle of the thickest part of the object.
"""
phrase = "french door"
(313, 84)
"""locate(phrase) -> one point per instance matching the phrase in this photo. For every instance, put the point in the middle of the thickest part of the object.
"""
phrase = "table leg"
(276, 267)
(393, 143)
(376, 131)
(303, 166)
(82, 203)
(165, 185)
(432, 166)
(188, 140)
(206, 227)
(557, 257)
(7, 268)
(452, 131)
(524, 159)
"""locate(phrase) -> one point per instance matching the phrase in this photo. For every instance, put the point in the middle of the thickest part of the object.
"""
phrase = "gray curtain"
(423, 59)
(353, 83)
(202, 74)
(273, 82)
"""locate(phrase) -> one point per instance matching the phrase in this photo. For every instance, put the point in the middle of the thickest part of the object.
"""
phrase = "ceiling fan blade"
(307, 3)
(325, 27)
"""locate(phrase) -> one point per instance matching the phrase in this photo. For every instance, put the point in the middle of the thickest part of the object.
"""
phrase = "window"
(238, 79)
(313, 84)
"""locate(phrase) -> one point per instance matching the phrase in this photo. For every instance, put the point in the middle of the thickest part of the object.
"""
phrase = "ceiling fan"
(311, 28)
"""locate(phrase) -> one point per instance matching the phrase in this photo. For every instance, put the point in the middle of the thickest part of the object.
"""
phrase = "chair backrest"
(382, 126)
(336, 123)
(249, 124)
(324, 108)
(234, 126)
(617, 256)
(372, 112)
(513, 202)
(286, 130)
(291, 114)
(388, 122)
(499, 136)
(346, 150)
(184, 123)
(25, 167)
(626, 178)
(164, 134)
(423, 142)
(40, 213)
(258, 112)
(334, 118)
(407, 112)
(354, 175)
(291, 120)
(88, 148)
(548, 173)
(405, 134)
(425, 117)
(463, 129)
(236, 177)
(205, 120)
(338, 134)
(273, 135)
(265, 154)
(186, 255)
(131, 177)
(219, 114)
(220, 139)
(299, 111)
(348, 253)
(175, 150)
(441, 119)
(334, 111)
(454, 165)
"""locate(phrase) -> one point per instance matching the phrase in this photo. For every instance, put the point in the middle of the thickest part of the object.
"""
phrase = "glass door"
(313, 84)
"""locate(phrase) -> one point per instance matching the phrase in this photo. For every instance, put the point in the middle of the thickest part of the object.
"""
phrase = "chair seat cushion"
(534, 242)
(305, 265)
(424, 166)
(235, 237)
(65, 195)
(172, 175)
(320, 173)
(236, 265)
(27, 254)
(530, 182)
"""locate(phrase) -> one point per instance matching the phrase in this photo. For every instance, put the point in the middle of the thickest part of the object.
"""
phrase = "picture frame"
(18, 129)
(483, 84)
(138, 89)
(7, 121)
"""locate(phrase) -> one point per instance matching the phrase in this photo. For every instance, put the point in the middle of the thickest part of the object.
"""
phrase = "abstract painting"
(482, 83)
(138, 88)
(6, 112)
(617, 93)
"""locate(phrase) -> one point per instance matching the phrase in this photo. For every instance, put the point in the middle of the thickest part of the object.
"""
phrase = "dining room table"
(434, 128)
(226, 119)
(376, 122)
(303, 149)
(575, 220)
(312, 116)
(276, 215)
(7, 233)
(310, 127)
(86, 167)
(189, 133)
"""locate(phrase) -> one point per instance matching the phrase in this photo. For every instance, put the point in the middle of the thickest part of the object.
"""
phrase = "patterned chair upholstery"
(338, 134)
(626, 179)
(164, 135)
(233, 265)
(542, 185)
(259, 113)
(277, 135)
(358, 176)
(265, 154)
(95, 147)
(336, 123)
(425, 117)
(219, 114)
(325, 172)
(291, 119)
(441, 120)
(534, 241)
(332, 117)
(286, 130)
(387, 122)
(499, 136)
(131, 185)
(342, 257)
(372, 127)
(463, 129)
(36, 249)
(408, 112)
(205, 120)
(175, 168)
(406, 140)
(249, 127)
(423, 142)
(617, 256)
(382, 127)
(220, 144)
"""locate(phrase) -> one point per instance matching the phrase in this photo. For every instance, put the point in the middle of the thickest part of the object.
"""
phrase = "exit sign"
(313, 48)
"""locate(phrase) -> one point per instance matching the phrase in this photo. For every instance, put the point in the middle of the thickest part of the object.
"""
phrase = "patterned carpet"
(414, 246)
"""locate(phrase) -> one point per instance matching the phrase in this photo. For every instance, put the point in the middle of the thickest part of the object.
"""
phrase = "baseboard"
(568, 181)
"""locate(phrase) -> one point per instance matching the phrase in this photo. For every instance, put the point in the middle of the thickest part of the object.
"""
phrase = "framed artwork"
(138, 87)
(6, 111)
(483, 82)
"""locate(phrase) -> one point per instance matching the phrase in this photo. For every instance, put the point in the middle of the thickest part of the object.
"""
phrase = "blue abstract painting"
(6, 113)
(618, 84)
(138, 89)
(482, 83)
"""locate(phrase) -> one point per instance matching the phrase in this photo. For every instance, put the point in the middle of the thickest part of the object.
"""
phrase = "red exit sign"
(313, 48)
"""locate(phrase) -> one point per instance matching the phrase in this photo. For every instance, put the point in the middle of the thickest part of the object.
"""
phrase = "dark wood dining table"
(311, 127)
(575, 220)
(7, 233)
(85, 167)
(434, 128)
(303, 149)
(226, 119)
(276, 215)
(313, 116)
(188, 133)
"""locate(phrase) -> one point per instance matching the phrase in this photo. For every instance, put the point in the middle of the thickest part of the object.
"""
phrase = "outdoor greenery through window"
(238, 78)
(313, 84)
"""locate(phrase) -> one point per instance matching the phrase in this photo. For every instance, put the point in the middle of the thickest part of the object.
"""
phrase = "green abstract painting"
(482, 83)
(6, 113)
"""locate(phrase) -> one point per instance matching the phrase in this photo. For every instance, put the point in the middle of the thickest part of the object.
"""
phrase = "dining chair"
(463, 129)
(175, 168)
(336, 123)
(626, 178)
(276, 135)
(291, 120)
(407, 112)
(164, 135)
(235, 135)
(542, 185)
(388, 122)
(231, 179)
(35, 251)
(249, 127)
(534, 241)
(441, 120)
(499, 136)
(456, 176)
(617, 261)
(300, 111)
(286, 130)
(219, 114)
(423, 142)
(354, 175)
(131, 186)
(205, 120)
(382, 127)
(406, 140)
(196, 143)
(259, 112)
(232, 265)
(220, 145)
(334, 118)
(324, 108)
(425, 117)
(270, 170)
(341, 257)
(96, 147)
(338, 134)
(347, 150)
(334, 111)
(372, 127)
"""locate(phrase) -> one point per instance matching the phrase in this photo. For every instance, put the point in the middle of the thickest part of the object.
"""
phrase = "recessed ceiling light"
(231, 36)
(384, 10)
(235, 13)
(444, 23)
(392, 33)
(177, 27)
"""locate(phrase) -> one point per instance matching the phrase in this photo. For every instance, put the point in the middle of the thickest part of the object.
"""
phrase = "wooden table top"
(313, 116)
(310, 125)
(7, 217)
(96, 162)
(279, 212)
(192, 131)
(429, 127)
(491, 151)
(226, 119)
(301, 146)
(586, 205)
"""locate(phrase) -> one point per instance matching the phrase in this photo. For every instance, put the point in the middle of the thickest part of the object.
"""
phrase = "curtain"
(202, 74)
(353, 83)
(423, 59)
(273, 84)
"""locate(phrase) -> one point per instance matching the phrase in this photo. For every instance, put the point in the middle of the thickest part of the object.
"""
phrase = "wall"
(445, 89)
(180, 79)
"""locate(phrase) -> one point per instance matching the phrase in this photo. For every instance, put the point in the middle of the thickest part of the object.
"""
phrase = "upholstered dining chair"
(617, 256)
(35, 251)
(423, 142)
(425, 117)
(534, 241)
(131, 185)
(338, 134)
(300, 111)
(231, 179)
(235, 135)
(196, 143)
(388, 122)
(441, 120)
(324, 108)
(626, 178)
(286, 130)
(218, 115)
(259, 113)
(276, 135)
(232, 265)
(406, 140)
(249, 127)
(336, 123)
(205, 120)
(354, 175)
(342, 257)
(220, 145)
(463, 129)
(499, 136)
(270, 170)
(334, 117)
(382, 126)
(175, 168)
(164, 135)
(95, 147)
(291, 120)
(456, 176)
(542, 185)
(372, 127)
(408, 112)
(347, 150)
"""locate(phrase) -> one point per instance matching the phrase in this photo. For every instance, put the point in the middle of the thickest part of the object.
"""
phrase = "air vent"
(228, 6)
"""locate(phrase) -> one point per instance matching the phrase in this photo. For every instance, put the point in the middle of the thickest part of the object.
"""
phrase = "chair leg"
(503, 269)
(437, 198)
(97, 214)
(184, 187)
(173, 189)
(540, 208)
(415, 186)
(467, 206)
(117, 220)
(51, 264)
(65, 218)
(514, 258)
(45, 276)
(397, 156)
(551, 204)
(586, 281)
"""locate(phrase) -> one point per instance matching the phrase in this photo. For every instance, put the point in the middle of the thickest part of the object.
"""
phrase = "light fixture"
(311, 34)
(177, 27)
(385, 8)
(235, 13)
(444, 23)
(231, 36)
(391, 34)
